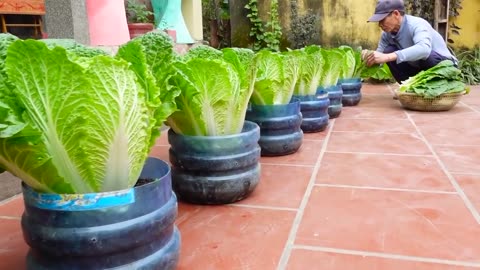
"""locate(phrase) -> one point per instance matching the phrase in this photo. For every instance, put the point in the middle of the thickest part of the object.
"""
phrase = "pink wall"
(107, 22)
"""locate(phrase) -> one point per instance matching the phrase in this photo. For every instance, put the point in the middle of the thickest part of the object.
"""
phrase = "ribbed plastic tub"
(215, 169)
(351, 88)
(280, 132)
(126, 229)
(314, 109)
(335, 94)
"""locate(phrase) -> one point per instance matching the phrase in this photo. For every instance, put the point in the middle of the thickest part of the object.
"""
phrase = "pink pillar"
(107, 22)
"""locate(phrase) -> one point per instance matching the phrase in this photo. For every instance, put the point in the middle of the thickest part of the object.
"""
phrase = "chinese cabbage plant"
(355, 67)
(349, 63)
(276, 77)
(319, 67)
(312, 65)
(333, 67)
(76, 124)
(214, 89)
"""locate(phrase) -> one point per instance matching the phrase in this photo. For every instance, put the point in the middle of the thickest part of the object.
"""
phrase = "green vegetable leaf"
(76, 128)
(440, 79)
(212, 101)
(151, 57)
(242, 60)
(119, 133)
(312, 65)
(269, 80)
(333, 67)
(349, 62)
(53, 105)
(204, 52)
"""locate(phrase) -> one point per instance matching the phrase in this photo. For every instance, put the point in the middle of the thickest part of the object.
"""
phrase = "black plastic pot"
(215, 169)
(351, 91)
(280, 132)
(127, 229)
(335, 94)
(314, 109)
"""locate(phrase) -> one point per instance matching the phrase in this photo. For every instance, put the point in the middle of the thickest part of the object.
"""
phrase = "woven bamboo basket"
(415, 102)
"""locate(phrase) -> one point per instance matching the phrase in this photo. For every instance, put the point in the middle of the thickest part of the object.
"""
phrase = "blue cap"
(384, 7)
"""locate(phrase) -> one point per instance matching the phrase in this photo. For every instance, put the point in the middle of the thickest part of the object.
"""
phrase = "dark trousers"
(404, 70)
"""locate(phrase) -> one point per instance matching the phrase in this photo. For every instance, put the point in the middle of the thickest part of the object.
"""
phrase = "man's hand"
(372, 57)
(365, 54)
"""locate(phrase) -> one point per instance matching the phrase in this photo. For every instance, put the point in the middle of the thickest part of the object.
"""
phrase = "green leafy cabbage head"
(334, 61)
(151, 57)
(74, 128)
(5, 41)
(242, 60)
(276, 77)
(203, 51)
(269, 79)
(7, 90)
(312, 65)
(214, 93)
(349, 62)
(74, 48)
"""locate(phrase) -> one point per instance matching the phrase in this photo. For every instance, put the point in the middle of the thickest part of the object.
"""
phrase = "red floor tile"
(451, 131)
(448, 118)
(385, 171)
(280, 186)
(470, 184)
(405, 223)
(222, 237)
(473, 98)
(316, 136)
(306, 155)
(305, 259)
(375, 89)
(374, 125)
(476, 107)
(160, 152)
(384, 101)
(13, 208)
(377, 143)
(163, 139)
(372, 112)
(12, 246)
(460, 159)
(459, 111)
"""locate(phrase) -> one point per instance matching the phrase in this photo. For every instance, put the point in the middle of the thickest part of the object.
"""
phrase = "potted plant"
(139, 18)
(76, 125)
(272, 107)
(214, 152)
(329, 80)
(314, 102)
(350, 76)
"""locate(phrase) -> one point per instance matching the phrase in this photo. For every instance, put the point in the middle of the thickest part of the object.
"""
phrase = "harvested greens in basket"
(440, 79)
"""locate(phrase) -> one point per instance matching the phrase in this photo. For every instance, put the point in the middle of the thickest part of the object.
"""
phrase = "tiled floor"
(381, 189)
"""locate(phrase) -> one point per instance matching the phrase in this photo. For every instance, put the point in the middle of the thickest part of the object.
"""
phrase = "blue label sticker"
(79, 202)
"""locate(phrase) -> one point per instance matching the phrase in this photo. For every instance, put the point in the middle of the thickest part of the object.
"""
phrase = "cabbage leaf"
(74, 127)
(214, 90)
(440, 79)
